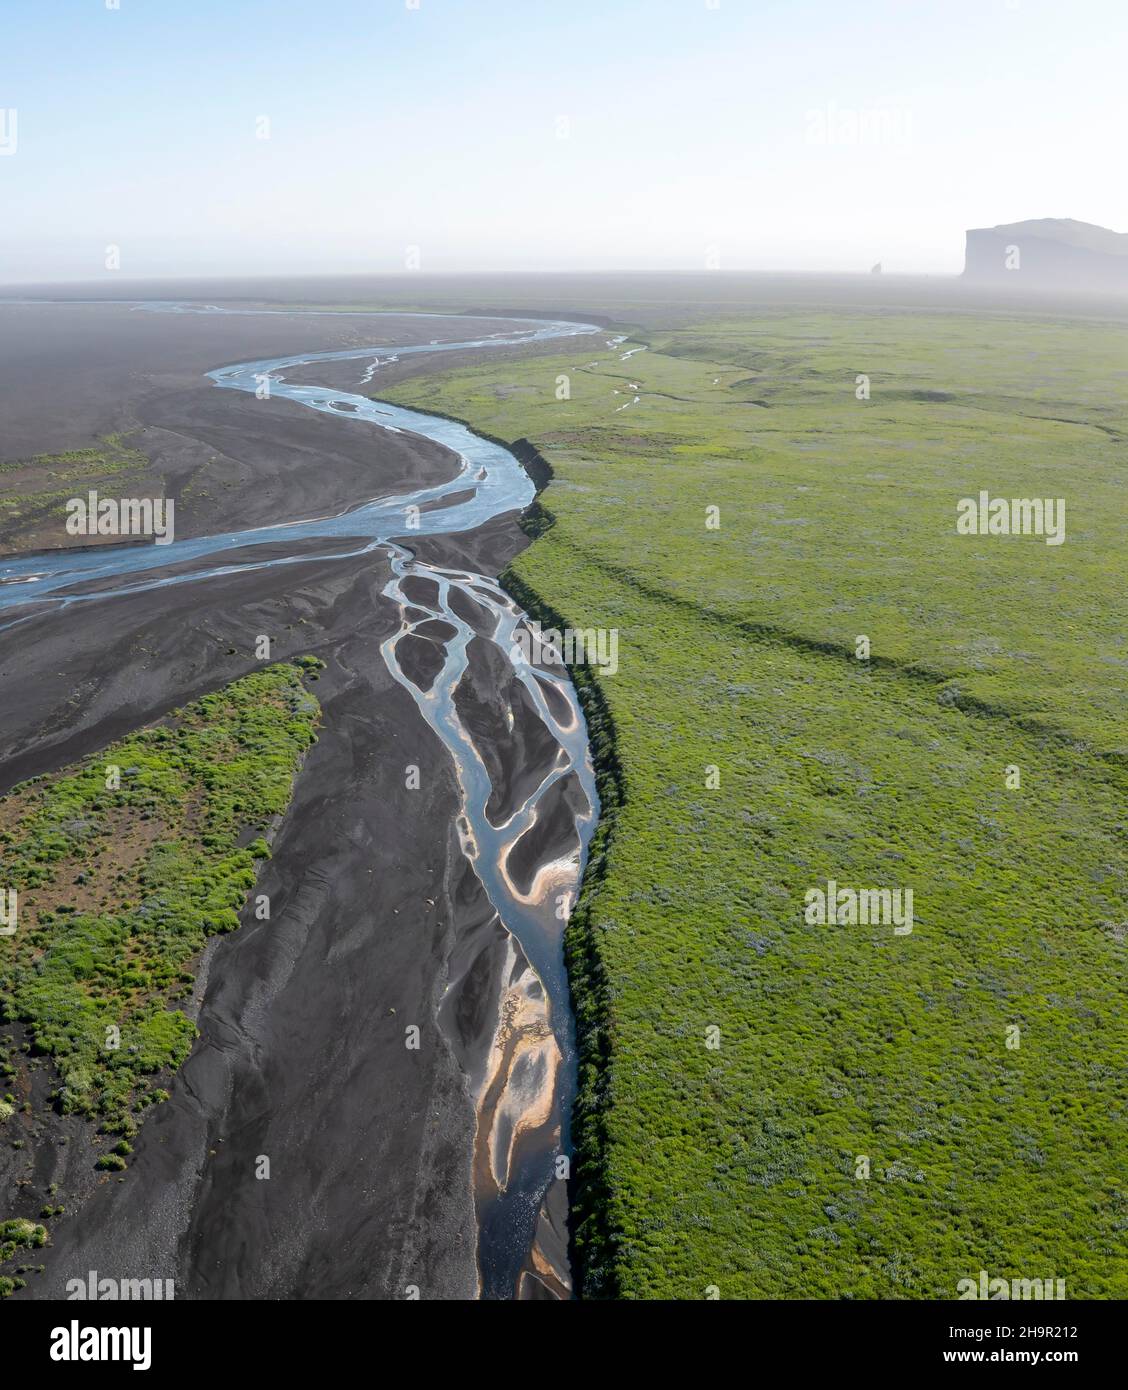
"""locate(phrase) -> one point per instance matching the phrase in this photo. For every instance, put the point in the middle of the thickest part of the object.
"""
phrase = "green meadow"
(780, 1109)
(123, 867)
(34, 492)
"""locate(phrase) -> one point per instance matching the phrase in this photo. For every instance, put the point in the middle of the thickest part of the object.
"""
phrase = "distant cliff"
(1049, 252)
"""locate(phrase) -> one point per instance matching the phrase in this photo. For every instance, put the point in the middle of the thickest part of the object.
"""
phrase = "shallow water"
(523, 1123)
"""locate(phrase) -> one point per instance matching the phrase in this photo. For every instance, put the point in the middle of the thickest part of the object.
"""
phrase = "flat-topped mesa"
(1049, 253)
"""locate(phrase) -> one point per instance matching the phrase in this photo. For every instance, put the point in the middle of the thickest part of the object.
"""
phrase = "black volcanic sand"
(476, 614)
(420, 659)
(72, 373)
(420, 590)
(539, 1279)
(378, 923)
(518, 758)
(552, 834)
(558, 706)
(302, 1056)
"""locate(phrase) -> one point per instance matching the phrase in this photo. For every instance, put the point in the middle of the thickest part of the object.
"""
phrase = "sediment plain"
(378, 921)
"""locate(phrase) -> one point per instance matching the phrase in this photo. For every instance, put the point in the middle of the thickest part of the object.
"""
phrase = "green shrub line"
(163, 848)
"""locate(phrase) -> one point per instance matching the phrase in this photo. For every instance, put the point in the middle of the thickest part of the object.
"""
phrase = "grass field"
(34, 492)
(123, 868)
(775, 1108)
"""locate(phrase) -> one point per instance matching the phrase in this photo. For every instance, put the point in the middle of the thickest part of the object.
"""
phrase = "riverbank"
(590, 1232)
(296, 989)
(138, 417)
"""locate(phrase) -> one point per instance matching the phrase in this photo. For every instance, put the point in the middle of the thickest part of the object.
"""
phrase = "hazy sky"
(548, 134)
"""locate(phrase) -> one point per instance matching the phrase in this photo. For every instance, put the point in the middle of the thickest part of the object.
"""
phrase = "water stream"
(524, 1099)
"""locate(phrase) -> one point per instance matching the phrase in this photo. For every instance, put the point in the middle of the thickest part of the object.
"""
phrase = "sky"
(205, 137)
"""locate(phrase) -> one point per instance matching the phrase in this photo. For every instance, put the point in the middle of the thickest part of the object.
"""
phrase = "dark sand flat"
(377, 921)
(74, 374)
(302, 1054)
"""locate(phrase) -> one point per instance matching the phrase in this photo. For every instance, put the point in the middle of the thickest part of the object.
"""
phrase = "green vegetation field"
(34, 492)
(124, 866)
(842, 1049)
